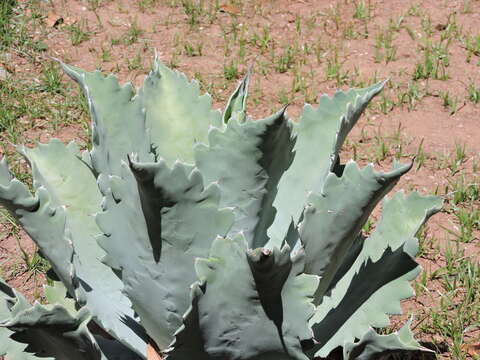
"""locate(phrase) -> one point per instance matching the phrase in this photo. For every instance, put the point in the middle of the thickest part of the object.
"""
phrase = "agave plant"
(208, 235)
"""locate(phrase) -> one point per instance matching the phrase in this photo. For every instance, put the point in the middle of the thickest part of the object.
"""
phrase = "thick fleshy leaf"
(247, 159)
(333, 218)
(10, 303)
(230, 321)
(285, 291)
(270, 270)
(118, 120)
(167, 117)
(320, 134)
(176, 114)
(181, 219)
(73, 190)
(237, 103)
(188, 343)
(373, 344)
(53, 332)
(41, 219)
(57, 294)
(33, 332)
(378, 279)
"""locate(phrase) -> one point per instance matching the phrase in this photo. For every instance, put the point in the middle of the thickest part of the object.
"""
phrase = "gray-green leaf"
(74, 194)
(41, 219)
(333, 218)
(247, 160)
(379, 277)
(237, 103)
(53, 332)
(232, 320)
(181, 219)
(12, 303)
(57, 294)
(320, 134)
(176, 114)
(118, 120)
(188, 343)
(372, 345)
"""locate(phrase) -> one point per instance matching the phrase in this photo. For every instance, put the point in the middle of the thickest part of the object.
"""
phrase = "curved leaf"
(54, 332)
(73, 191)
(373, 344)
(51, 331)
(118, 126)
(237, 102)
(12, 302)
(42, 220)
(230, 321)
(181, 219)
(379, 277)
(320, 134)
(247, 159)
(176, 114)
(333, 219)
(57, 294)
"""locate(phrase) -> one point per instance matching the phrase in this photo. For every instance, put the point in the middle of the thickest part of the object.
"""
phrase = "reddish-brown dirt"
(318, 25)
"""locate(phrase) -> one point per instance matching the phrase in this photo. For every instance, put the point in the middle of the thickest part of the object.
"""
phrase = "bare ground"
(298, 49)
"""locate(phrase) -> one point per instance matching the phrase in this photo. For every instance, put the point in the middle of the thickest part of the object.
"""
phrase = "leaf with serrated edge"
(333, 218)
(261, 151)
(42, 220)
(373, 344)
(181, 221)
(230, 321)
(118, 120)
(168, 113)
(285, 291)
(379, 277)
(188, 343)
(10, 303)
(320, 134)
(53, 331)
(73, 190)
(176, 114)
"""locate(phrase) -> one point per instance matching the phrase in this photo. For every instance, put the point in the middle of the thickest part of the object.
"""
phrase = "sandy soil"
(324, 23)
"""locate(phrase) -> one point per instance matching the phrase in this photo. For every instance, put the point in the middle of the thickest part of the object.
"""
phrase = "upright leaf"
(237, 103)
(230, 321)
(167, 117)
(285, 291)
(247, 159)
(180, 220)
(73, 191)
(379, 277)
(320, 134)
(176, 114)
(188, 343)
(118, 120)
(332, 219)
